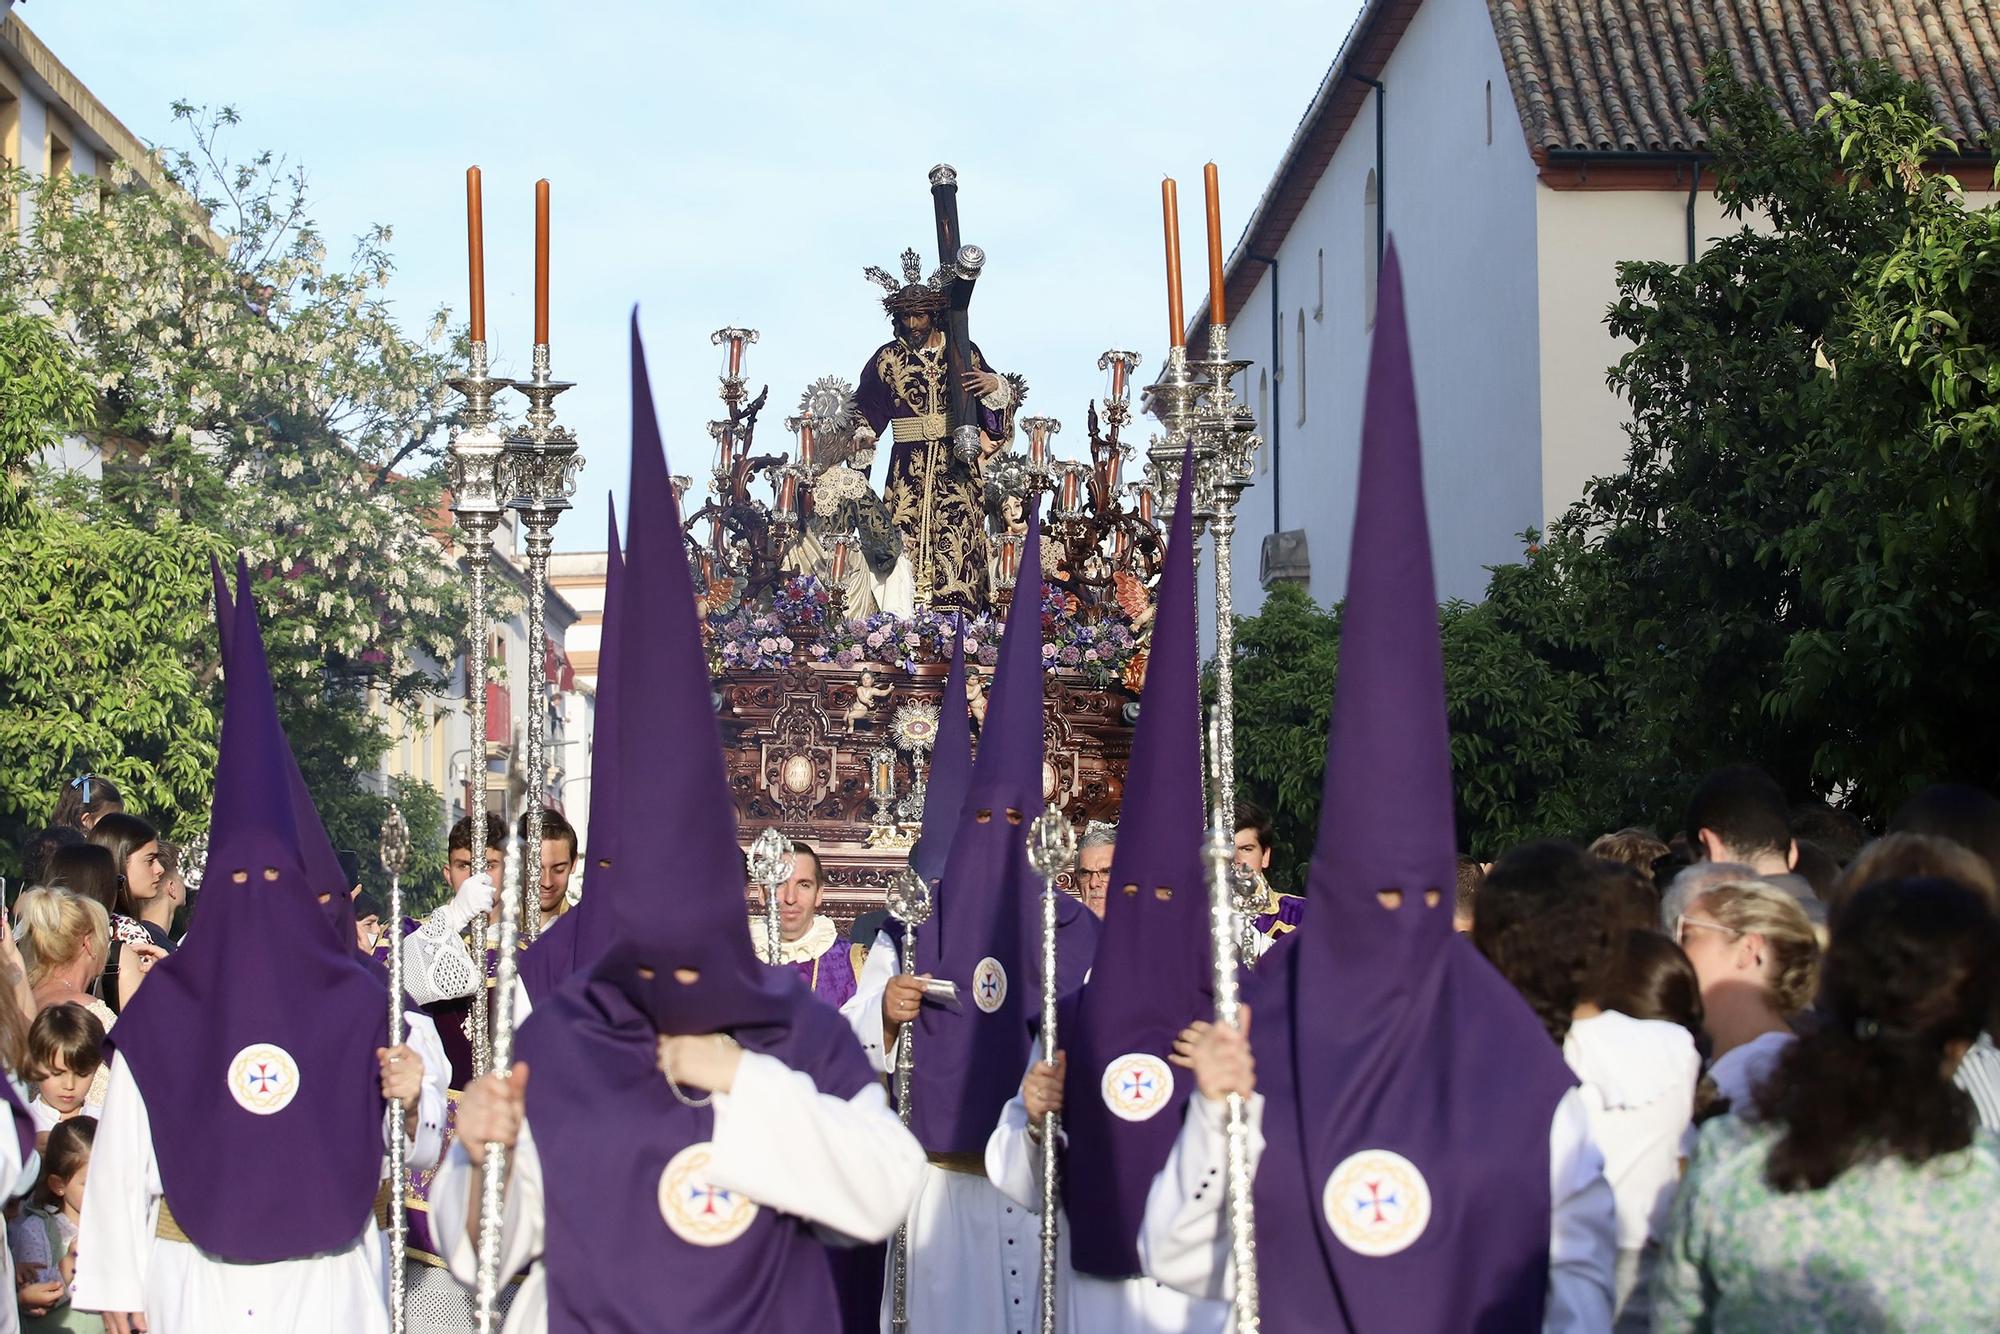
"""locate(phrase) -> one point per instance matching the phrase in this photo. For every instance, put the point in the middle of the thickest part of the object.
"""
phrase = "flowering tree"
(249, 391)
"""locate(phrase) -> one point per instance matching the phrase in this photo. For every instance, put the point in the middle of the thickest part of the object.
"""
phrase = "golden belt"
(919, 428)
(168, 1229)
(970, 1164)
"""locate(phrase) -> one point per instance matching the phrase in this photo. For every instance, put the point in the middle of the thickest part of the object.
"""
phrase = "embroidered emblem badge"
(697, 1210)
(1377, 1202)
(989, 985)
(1137, 1085)
(263, 1078)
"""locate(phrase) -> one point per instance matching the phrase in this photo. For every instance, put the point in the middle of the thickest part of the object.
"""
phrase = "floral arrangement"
(799, 627)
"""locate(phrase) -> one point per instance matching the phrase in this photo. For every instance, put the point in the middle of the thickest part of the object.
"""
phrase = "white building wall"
(1462, 212)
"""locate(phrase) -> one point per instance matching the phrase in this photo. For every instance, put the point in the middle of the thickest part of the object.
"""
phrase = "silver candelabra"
(1221, 853)
(1052, 852)
(395, 851)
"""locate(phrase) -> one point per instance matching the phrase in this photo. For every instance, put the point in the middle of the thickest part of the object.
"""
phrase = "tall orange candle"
(1170, 206)
(1212, 188)
(475, 250)
(542, 262)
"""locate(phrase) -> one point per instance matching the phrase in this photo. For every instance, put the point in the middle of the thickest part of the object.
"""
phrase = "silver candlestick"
(1052, 852)
(1228, 434)
(395, 852)
(476, 468)
(493, 1181)
(910, 904)
(771, 866)
(1221, 853)
(541, 464)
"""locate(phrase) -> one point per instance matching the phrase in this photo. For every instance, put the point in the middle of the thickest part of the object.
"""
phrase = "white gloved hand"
(474, 898)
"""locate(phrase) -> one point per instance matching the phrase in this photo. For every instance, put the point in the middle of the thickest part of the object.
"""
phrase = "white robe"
(1184, 1240)
(843, 1164)
(975, 1255)
(121, 1265)
(1086, 1304)
(17, 1178)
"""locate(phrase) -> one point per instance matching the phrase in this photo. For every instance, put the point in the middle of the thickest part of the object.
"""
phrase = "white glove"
(473, 899)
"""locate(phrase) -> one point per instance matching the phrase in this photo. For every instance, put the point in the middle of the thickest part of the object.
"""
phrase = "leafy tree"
(246, 388)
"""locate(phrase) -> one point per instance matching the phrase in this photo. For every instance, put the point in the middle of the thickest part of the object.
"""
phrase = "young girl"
(135, 849)
(42, 1237)
(65, 1052)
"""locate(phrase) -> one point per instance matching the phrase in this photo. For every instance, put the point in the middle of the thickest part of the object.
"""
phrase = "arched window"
(1302, 368)
(1371, 247)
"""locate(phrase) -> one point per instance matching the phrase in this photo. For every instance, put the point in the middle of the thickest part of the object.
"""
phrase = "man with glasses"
(1093, 864)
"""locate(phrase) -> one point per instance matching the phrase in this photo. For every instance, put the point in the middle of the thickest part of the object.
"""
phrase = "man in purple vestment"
(808, 943)
(1280, 913)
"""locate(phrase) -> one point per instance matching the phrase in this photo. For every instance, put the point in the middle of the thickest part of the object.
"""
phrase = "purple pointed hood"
(323, 871)
(1393, 1058)
(1152, 975)
(576, 939)
(985, 927)
(951, 770)
(254, 1044)
(692, 917)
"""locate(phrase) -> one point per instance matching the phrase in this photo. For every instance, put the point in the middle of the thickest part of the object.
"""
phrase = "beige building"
(1516, 150)
(49, 121)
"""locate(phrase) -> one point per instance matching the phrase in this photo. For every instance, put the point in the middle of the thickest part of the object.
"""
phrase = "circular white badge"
(989, 985)
(696, 1209)
(263, 1078)
(1137, 1085)
(1377, 1202)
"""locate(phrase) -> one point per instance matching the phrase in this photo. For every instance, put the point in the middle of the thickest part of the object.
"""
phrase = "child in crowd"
(43, 1236)
(65, 1051)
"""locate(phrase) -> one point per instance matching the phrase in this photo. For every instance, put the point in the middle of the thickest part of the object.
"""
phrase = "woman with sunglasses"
(1755, 954)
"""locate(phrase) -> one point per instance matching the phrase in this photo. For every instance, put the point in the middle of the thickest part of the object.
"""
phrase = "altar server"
(1425, 1158)
(687, 1125)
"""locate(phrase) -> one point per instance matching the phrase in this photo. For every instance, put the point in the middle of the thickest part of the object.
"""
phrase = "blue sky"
(740, 164)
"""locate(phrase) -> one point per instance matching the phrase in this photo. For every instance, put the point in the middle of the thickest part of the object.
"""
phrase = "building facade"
(1517, 151)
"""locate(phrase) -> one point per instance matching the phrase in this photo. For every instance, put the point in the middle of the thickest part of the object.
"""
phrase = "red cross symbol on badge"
(1376, 1199)
(707, 1197)
(263, 1077)
(1138, 1085)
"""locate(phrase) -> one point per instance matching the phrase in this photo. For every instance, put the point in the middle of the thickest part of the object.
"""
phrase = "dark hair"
(85, 794)
(124, 835)
(1966, 815)
(1837, 832)
(1745, 808)
(1651, 978)
(367, 905)
(35, 853)
(86, 870)
(68, 1033)
(554, 827)
(1545, 920)
(1907, 856)
(1816, 866)
(1635, 899)
(801, 848)
(1470, 878)
(1249, 815)
(1912, 971)
(68, 1149)
(460, 839)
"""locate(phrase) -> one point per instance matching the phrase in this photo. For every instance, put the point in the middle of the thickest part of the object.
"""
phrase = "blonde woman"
(64, 938)
(1757, 959)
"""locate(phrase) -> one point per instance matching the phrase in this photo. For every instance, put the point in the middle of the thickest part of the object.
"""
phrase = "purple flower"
(1068, 657)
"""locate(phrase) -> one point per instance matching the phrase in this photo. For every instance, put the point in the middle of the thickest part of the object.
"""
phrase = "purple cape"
(1409, 1089)
(575, 939)
(607, 1125)
(985, 928)
(254, 1044)
(1152, 976)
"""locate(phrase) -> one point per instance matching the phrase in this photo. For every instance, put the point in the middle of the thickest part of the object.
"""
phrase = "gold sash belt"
(167, 1229)
(919, 428)
(971, 1164)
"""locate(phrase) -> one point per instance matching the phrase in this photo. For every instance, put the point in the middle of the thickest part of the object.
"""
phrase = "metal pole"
(493, 1180)
(910, 904)
(476, 463)
(542, 463)
(395, 857)
(1052, 852)
(1221, 852)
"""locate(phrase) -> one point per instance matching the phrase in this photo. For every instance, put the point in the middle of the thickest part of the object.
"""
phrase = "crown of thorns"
(914, 292)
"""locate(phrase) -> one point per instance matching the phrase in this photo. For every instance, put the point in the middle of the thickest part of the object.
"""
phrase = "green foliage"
(423, 811)
(1798, 564)
(43, 394)
(246, 396)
